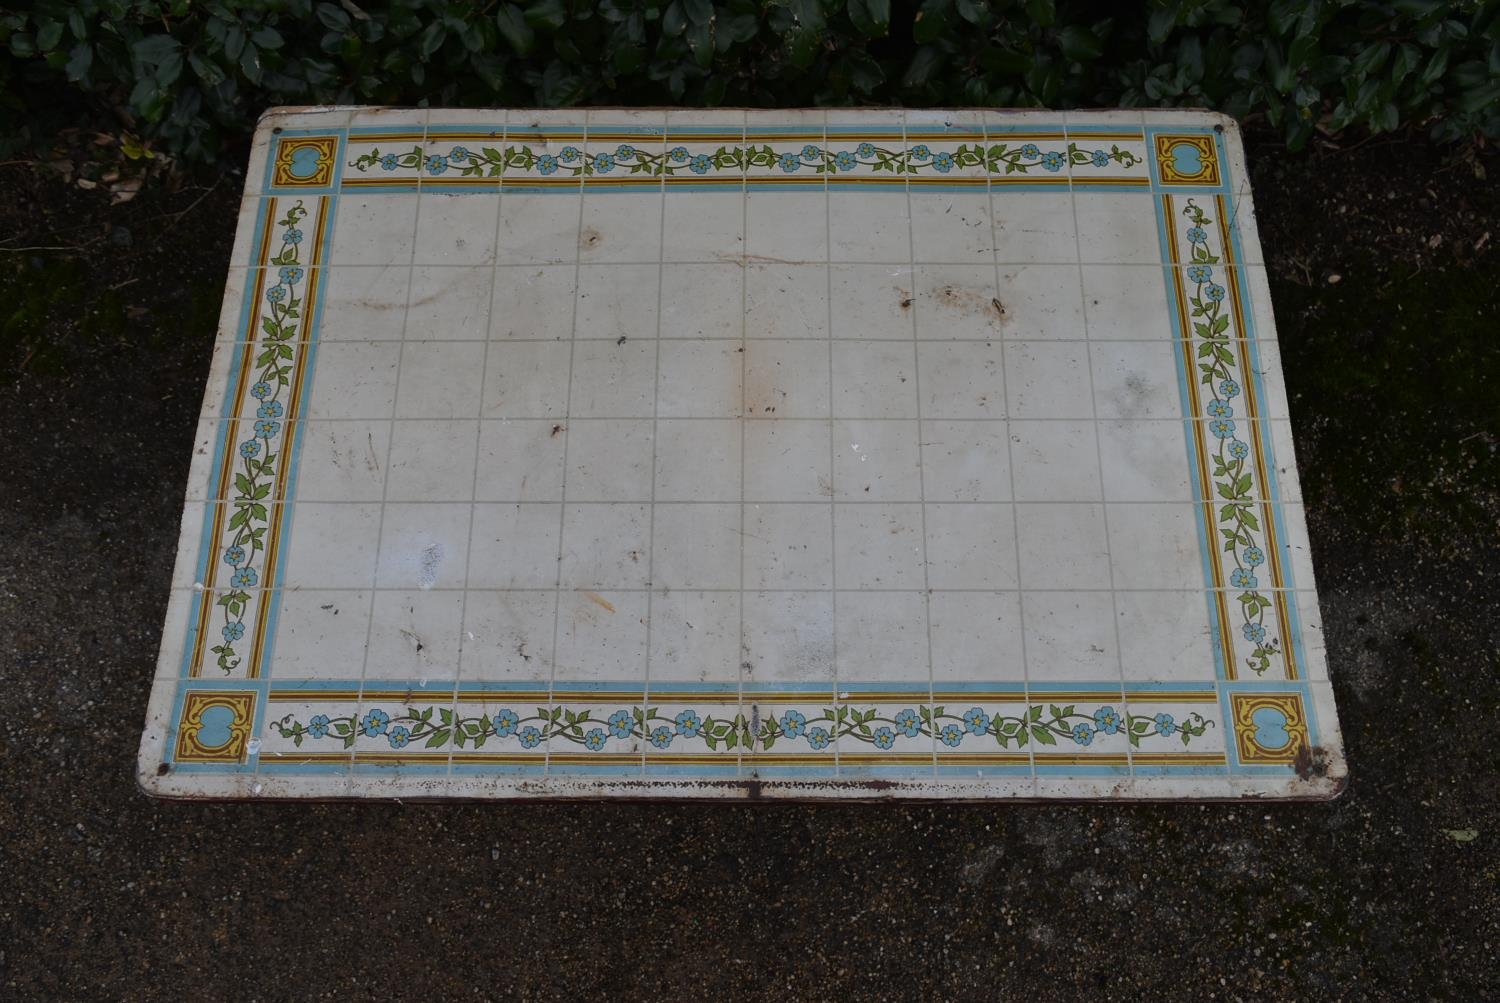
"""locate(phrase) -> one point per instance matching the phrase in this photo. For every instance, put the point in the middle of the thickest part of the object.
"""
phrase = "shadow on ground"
(1384, 276)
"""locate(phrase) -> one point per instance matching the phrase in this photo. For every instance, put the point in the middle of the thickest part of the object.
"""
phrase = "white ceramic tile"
(1056, 461)
(877, 460)
(878, 546)
(788, 547)
(788, 460)
(727, 430)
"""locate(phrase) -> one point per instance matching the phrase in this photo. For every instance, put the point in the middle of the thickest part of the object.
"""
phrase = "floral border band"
(438, 727)
(627, 159)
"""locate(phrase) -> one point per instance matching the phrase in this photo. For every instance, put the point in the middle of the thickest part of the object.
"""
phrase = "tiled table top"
(725, 454)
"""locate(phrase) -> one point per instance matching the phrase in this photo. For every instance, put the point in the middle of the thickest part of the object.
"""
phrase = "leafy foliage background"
(191, 76)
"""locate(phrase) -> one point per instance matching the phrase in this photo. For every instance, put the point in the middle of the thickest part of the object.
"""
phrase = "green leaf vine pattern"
(436, 727)
(258, 455)
(1237, 523)
(570, 161)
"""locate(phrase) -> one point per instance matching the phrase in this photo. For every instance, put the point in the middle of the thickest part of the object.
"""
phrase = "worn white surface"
(839, 467)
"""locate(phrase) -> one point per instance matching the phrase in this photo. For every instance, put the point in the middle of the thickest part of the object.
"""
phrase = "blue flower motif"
(1222, 428)
(1254, 633)
(1083, 733)
(267, 429)
(270, 409)
(792, 723)
(1107, 720)
(920, 152)
(1165, 725)
(908, 724)
(679, 154)
(530, 737)
(951, 735)
(865, 149)
(700, 164)
(1218, 409)
(292, 236)
(818, 738)
(244, 578)
(884, 737)
(1229, 389)
(689, 724)
(276, 294)
(624, 152)
(1215, 292)
(621, 724)
(234, 555)
(1197, 234)
(388, 162)
(845, 161)
(977, 721)
(436, 164)
(594, 740)
(249, 449)
(1101, 159)
(1052, 161)
(810, 152)
(1238, 449)
(459, 154)
(375, 722)
(568, 154)
(261, 390)
(661, 737)
(1199, 273)
(1242, 579)
(546, 164)
(943, 163)
(317, 726)
(789, 162)
(233, 631)
(399, 737)
(603, 163)
(505, 723)
(1254, 556)
(1031, 150)
(290, 274)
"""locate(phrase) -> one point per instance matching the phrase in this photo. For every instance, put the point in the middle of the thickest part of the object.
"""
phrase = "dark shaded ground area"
(1395, 381)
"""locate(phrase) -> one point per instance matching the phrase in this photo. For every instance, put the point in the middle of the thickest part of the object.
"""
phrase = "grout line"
(1114, 603)
(463, 613)
(1010, 454)
(741, 655)
(562, 508)
(833, 549)
(655, 415)
(911, 246)
(386, 478)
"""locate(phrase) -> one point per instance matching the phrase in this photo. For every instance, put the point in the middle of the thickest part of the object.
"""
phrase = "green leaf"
(438, 738)
(871, 17)
(699, 11)
(1043, 735)
(1042, 12)
(1079, 44)
(547, 14)
(79, 62)
(515, 29)
(931, 20)
(155, 48)
(432, 39)
(49, 35)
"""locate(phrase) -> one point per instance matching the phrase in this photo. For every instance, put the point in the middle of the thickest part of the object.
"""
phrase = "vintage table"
(725, 454)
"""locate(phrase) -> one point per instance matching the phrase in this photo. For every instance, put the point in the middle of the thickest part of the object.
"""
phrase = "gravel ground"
(1384, 277)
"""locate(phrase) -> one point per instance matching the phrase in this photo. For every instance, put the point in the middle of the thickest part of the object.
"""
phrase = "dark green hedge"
(194, 75)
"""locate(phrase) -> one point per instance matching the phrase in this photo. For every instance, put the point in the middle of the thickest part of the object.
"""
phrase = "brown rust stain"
(596, 598)
(1312, 762)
